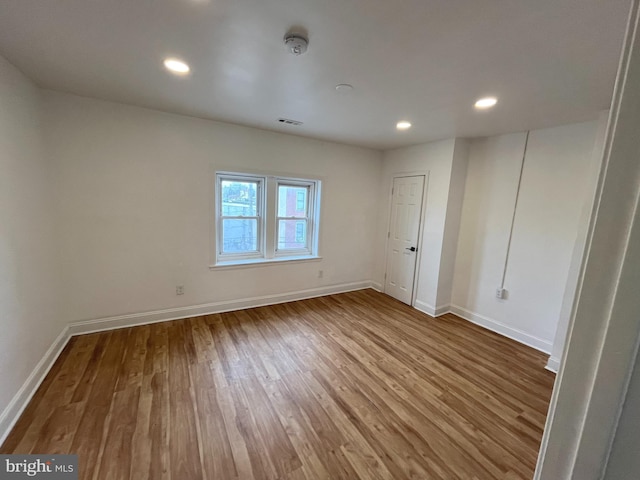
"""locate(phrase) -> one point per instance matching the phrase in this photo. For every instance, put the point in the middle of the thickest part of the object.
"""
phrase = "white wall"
(436, 160)
(28, 285)
(555, 186)
(575, 265)
(624, 461)
(134, 193)
(452, 225)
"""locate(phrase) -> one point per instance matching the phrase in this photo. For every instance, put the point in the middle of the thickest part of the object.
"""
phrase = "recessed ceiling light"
(176, 66)
(404, 125)
(486, 102)
(344, 88)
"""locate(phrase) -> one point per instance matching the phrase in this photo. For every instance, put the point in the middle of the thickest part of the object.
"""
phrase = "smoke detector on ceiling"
(296, 43)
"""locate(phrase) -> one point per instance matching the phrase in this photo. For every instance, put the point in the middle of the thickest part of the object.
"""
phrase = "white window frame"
(259, 217)
(267, 221)
(308, 218)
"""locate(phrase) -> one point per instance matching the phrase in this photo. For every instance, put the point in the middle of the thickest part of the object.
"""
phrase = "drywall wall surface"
(554, 187)
(557, 174)
(560, 336)
(135, 192)
(434, 159)
(452, 224)
(624, 461)
(28, 280)
(490, 192)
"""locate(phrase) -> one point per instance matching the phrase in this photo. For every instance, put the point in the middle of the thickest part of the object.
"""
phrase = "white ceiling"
(548, 61)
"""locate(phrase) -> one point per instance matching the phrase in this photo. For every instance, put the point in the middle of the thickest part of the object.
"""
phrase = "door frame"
(423, 216)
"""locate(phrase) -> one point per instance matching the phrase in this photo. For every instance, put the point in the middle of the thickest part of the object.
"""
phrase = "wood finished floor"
(350, 386)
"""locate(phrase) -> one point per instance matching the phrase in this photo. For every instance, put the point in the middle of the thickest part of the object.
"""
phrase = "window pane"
(239, 198)
(292, 234)
(300, 232)
(239, 235)
(292, 201)
(300, 200)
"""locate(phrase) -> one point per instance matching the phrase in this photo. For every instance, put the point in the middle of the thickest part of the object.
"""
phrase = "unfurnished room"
(319, 239)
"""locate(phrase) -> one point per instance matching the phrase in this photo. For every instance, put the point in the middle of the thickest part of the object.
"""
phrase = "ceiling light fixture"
(176, 66)
(403, 125)
(344, 88)
(486, 102)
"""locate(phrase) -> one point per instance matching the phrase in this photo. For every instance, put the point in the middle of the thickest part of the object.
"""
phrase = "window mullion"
(269, 221)
(240, 217)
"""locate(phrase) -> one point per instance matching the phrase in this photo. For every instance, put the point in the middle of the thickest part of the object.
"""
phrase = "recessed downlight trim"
(403, 125)
(177, 66)
(344, 87)
(485, 102)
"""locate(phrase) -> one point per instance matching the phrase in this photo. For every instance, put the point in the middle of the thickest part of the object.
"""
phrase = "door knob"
(413, 249)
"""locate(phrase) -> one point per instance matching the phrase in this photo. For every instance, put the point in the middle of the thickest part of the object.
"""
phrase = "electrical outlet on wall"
(501, 293)
(180, 290)
(320, 273)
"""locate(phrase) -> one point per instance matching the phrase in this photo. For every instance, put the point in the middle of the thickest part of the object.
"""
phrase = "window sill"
(262, 262)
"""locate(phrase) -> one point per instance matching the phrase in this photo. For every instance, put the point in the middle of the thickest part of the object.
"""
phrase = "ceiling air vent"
(288, 121)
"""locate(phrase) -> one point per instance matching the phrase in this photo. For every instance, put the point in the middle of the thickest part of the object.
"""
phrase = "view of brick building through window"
(292, 216)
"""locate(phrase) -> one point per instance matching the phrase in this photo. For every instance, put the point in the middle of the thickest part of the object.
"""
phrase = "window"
(262, 218)
(293, 216)
(240, 216)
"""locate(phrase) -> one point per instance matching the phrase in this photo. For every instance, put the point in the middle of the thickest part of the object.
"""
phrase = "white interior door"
(404, 228)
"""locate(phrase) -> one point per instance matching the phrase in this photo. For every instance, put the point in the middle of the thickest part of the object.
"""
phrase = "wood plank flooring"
(350, 386)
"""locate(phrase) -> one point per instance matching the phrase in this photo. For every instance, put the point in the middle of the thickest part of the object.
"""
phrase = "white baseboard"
(505, 330)
(20, 400)
(553, 364)
(430, 309)
(377, 287)
(442, 310)
(133, 319)
(425, 308)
